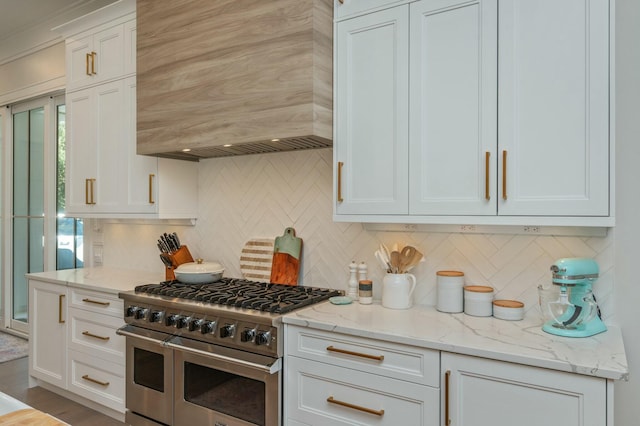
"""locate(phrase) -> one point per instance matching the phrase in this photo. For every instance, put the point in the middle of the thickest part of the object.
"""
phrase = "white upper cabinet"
(96, 57)
(371, 92)
(104, 175)
(554, 108)
(452, 136)
(508, 106)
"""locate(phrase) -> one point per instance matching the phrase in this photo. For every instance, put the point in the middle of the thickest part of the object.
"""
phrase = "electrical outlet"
(532, 229)
(467, 228)
(410, 227)
(97, 254)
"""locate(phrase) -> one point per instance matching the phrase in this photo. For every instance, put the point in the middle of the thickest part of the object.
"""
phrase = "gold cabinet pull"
(361, 355)
(93, 63)
(88, 191)
(92, 380)
(151, 176)
(447, 420)
(340, 164)
(86, 58)
(504, 175)
(93, 181)
(487, 195)
(331, 400)
(60, 302)
(96, 302)
(95, 336)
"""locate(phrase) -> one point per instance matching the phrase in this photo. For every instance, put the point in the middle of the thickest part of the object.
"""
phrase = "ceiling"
(25, 16)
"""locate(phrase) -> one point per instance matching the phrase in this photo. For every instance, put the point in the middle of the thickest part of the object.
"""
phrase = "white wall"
(627, 231)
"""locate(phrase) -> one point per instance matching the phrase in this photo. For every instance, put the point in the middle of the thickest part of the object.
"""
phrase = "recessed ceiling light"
(227, 145)
(186, 150)
(275, 140)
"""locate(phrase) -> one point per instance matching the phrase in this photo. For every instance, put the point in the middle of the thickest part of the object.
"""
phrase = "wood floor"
(14, 381)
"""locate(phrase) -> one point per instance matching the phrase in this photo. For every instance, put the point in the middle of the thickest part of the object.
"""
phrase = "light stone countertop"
(105, 279)
(521, 342)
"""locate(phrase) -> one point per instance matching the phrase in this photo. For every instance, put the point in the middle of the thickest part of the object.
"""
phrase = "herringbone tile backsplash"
(258, 196)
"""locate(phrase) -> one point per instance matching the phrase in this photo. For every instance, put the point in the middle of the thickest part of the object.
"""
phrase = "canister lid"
(508, 303)
(365, 282)
(450, 273)
(478, 288)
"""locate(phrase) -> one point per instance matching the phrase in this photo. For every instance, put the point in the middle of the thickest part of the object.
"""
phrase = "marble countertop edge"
(521, 342)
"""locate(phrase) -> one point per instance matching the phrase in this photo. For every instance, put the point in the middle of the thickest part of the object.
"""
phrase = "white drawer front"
(392, 360)
(96, 334)
(352, 8)
(100, 381)
(320, 394)
(96, 301)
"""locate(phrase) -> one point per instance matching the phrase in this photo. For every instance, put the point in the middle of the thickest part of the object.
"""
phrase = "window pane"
(20, 163)
(36, 162)
(20, 267)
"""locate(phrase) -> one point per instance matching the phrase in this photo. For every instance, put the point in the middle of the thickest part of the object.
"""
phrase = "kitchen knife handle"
(93, 63)
(487, 195)
(447, 376)
(504, 174)
(355, 407)
(151, 176)
(340, 164)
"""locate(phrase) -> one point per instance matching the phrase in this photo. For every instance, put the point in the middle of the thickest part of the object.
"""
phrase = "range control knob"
(227, 330)
(171, 320)
(182, 321)
(141, 313)
(248, 334)
(208, 327)
(263, 338)
(130, 311)
(155, 316)
(195, 324)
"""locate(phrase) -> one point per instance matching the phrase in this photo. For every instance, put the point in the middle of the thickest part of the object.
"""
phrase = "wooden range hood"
(229, 72)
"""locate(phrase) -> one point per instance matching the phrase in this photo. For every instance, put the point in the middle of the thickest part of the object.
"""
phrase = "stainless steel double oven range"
(208, 354)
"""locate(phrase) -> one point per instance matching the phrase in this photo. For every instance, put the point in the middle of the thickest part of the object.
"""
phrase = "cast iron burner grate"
(266, 297)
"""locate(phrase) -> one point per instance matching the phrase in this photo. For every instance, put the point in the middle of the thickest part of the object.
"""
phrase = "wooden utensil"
(417, 257)
(406, 255)
(395, 262)
(287, 251)
(256, 258)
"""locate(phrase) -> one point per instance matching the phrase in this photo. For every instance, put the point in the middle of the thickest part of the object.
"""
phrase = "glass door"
(28, 200)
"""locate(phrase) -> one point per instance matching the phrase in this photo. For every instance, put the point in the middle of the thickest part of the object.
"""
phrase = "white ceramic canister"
(449, 290)
(478, 300)
(511, 310)
(397, 290)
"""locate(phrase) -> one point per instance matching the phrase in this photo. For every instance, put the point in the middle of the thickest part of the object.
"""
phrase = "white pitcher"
(397, 291)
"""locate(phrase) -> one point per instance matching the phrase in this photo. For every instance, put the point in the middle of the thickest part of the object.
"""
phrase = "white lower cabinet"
(323, 394)
(48, 332)
(73, 343)
(337, 379)
(332, 379)
(487, 392)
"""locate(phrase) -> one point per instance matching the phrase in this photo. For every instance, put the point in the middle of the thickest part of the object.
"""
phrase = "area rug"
(12, 347)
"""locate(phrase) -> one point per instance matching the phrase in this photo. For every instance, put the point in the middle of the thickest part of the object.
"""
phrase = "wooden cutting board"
(256, 258)
(287, 251)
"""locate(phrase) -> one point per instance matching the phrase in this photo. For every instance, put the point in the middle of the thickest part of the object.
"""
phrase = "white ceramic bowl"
(511, 310)
(199, 272)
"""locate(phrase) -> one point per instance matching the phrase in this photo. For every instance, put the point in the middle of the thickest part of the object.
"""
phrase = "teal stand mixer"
(572, 311)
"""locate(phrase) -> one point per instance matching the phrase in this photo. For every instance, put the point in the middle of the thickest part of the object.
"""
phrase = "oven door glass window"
(149, 369)
(224, 392)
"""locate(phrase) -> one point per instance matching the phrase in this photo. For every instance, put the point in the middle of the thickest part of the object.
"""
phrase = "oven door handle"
(184, 346)
(129, 331)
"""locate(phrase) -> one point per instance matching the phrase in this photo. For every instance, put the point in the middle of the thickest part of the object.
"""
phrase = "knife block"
(180, 256)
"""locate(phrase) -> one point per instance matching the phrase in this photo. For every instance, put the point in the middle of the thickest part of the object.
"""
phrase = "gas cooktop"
(240, 293)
